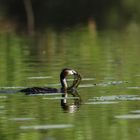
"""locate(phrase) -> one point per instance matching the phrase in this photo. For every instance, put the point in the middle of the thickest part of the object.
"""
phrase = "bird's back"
(36, 90)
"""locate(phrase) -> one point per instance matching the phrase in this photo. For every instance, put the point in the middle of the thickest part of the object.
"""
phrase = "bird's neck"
(64, 83)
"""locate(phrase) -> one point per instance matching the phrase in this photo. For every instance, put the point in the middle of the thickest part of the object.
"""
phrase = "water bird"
(63, 80)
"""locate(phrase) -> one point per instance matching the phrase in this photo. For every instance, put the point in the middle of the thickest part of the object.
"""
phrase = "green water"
(109, 92)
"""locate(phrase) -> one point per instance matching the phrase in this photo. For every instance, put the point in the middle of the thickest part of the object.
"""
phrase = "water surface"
(107, 106)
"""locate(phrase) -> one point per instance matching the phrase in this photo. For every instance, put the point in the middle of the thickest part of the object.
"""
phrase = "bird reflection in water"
(71, 101)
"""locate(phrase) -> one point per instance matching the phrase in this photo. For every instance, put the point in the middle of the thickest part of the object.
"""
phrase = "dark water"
(107, 106)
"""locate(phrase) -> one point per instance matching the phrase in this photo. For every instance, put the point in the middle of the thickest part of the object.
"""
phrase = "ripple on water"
(2, 107)
(135, 111)
(13, 87)
(59, 98)
(136, 87)
(21, 119)
(46, 127)
(45, 94)
(3, 97)
(104, 84)
(90, 103)
(128, 116)
(86, 85)
(40, 77)
(88, 79)
(116, 98)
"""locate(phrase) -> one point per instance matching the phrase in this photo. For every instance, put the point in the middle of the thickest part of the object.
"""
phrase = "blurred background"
(33, 15)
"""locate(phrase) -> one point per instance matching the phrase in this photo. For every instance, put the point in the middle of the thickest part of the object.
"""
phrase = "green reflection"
(102, 56)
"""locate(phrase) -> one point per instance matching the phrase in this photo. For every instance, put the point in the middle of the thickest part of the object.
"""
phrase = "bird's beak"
(76, 81)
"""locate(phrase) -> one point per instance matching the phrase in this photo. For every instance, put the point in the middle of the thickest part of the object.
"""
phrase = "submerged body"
(64, 87)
